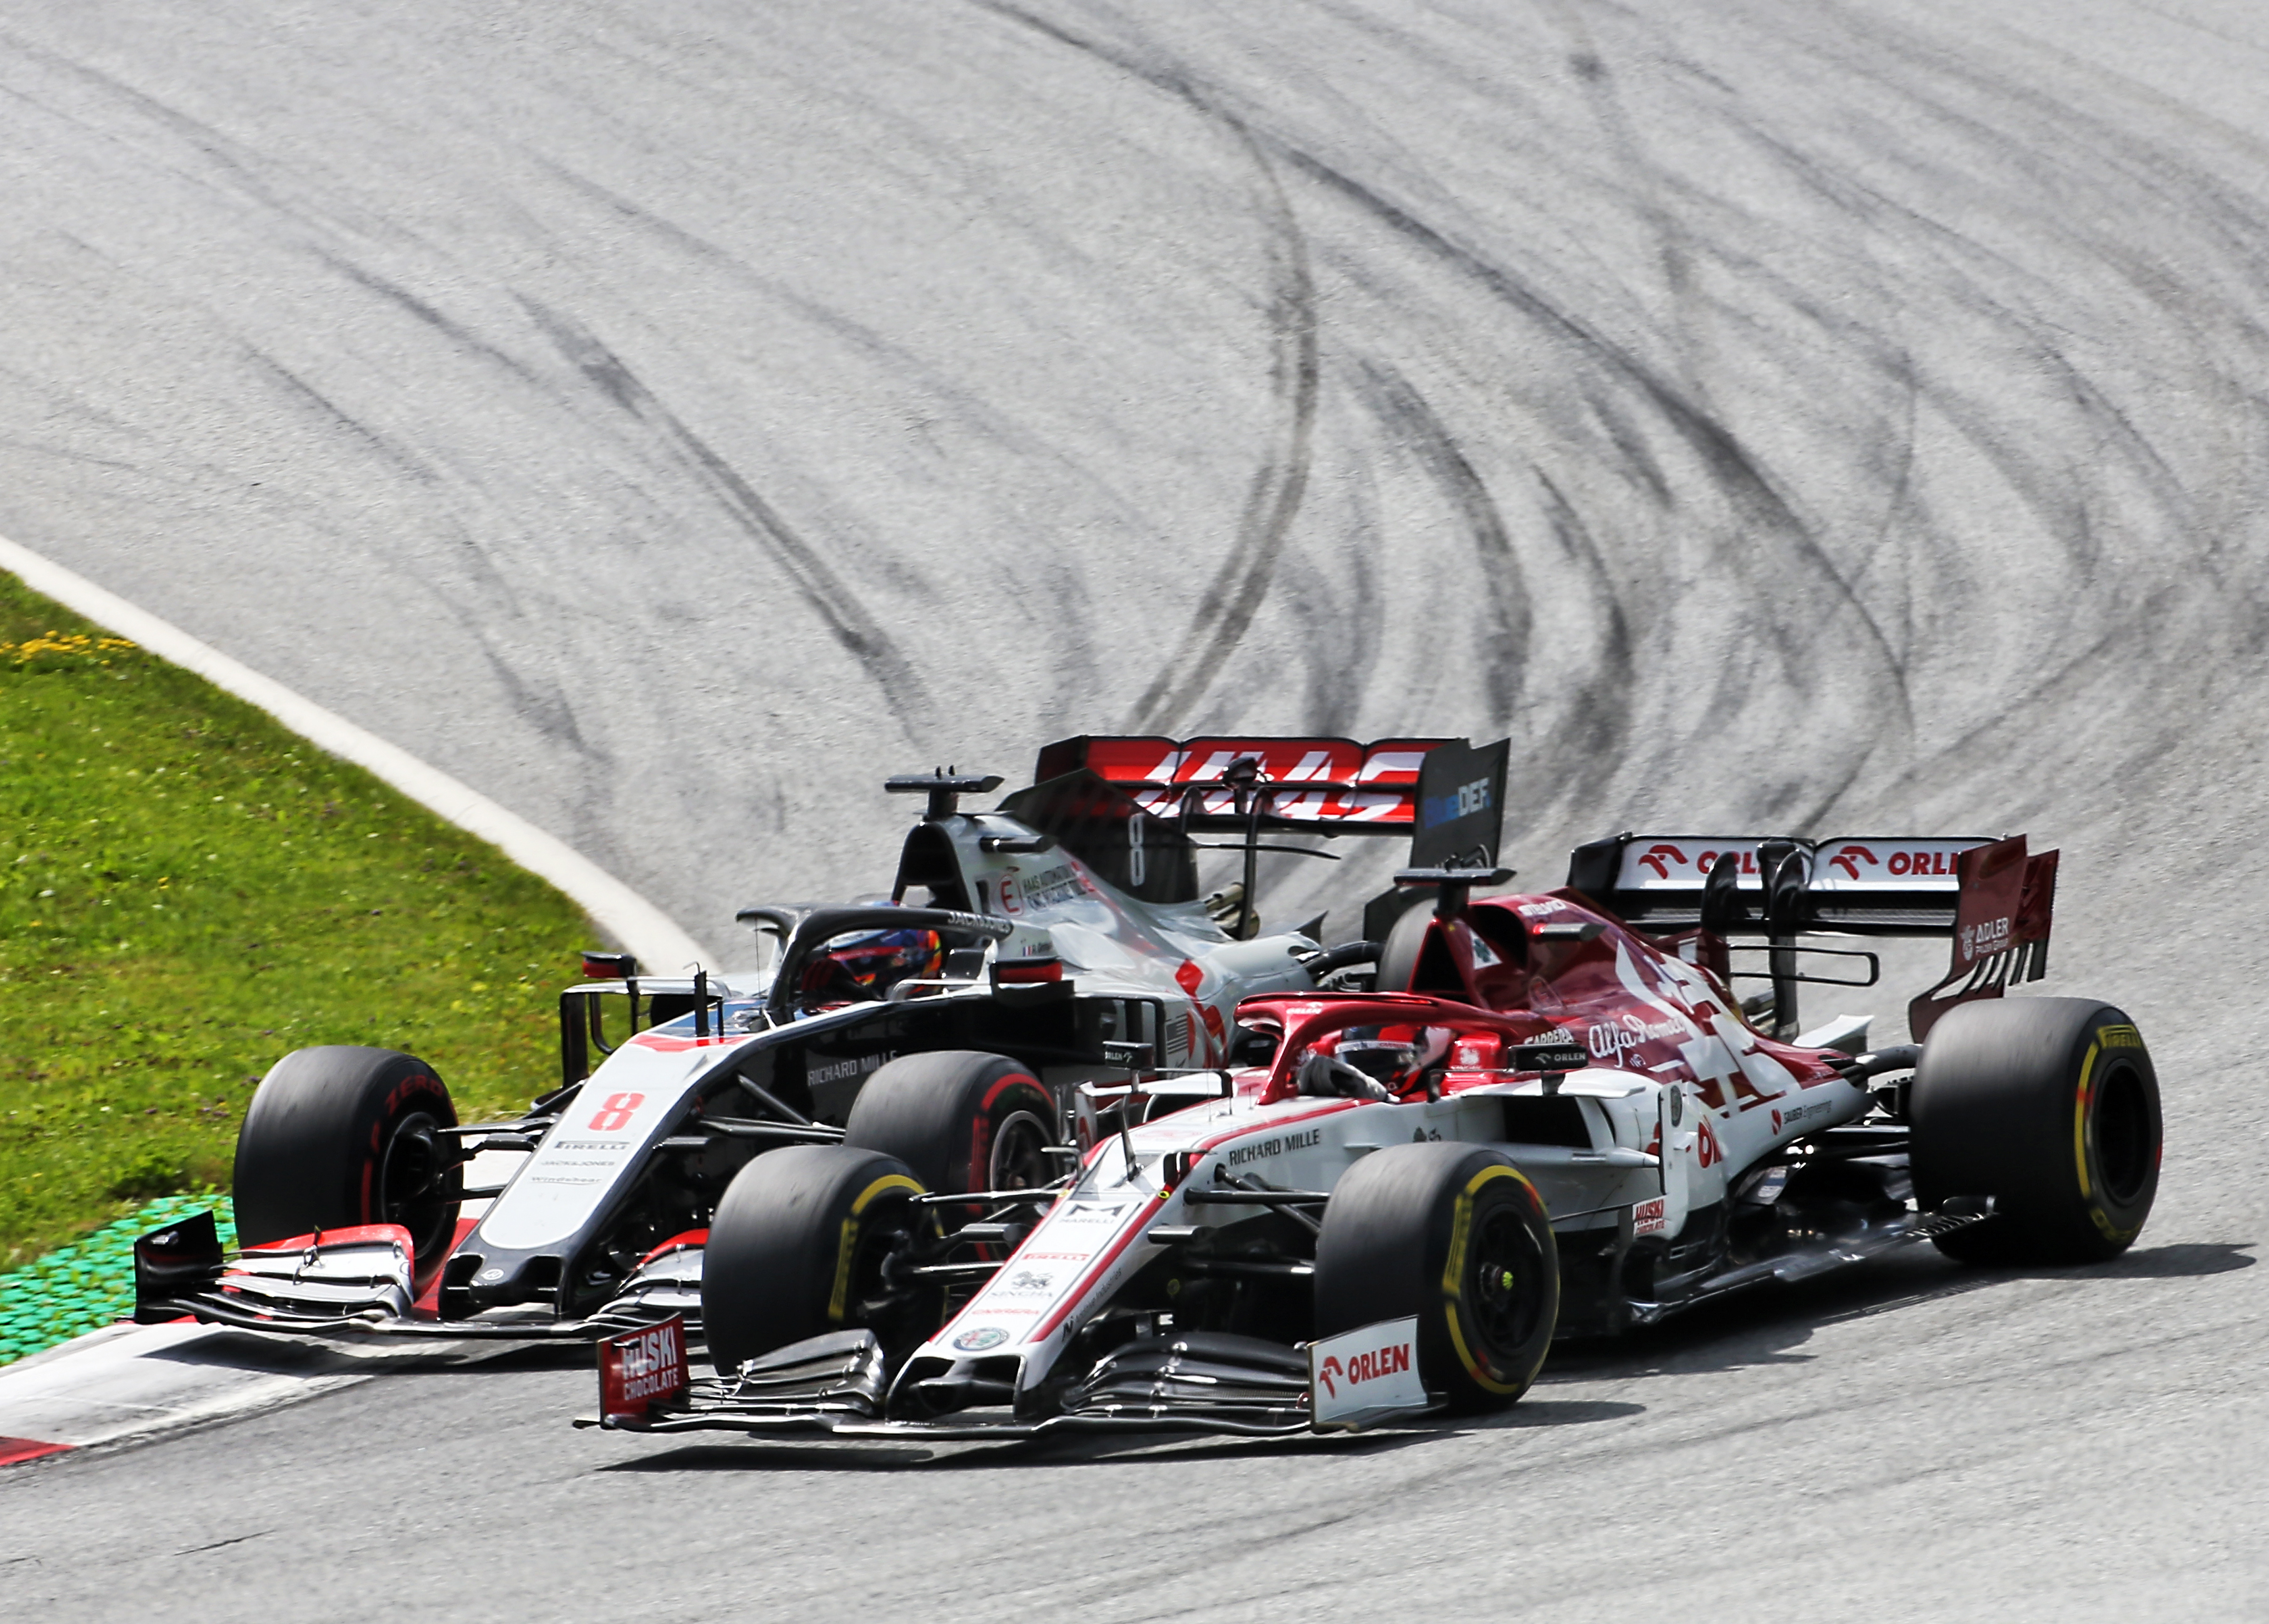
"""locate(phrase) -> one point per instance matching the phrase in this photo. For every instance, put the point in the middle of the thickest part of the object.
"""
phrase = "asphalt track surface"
(669, 417)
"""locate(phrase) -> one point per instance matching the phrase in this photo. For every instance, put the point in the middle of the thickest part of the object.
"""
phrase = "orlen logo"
(1923, 863)
(1391, 1360)
(1655, 858)
(1663, 857)
(1850, 858)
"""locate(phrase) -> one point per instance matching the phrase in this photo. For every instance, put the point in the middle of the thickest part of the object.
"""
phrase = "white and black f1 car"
(1559, 1119)
(1021, 953)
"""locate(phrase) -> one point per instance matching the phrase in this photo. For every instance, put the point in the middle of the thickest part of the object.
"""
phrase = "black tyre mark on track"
(1403, 410)
(1587, 745)
(1779, 598)
(1234, 596)
(852, 626)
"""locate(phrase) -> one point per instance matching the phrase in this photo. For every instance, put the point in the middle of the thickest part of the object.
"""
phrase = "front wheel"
(340, 1136)
(2050, 1106)
(803, 1242)
(1456, 1235)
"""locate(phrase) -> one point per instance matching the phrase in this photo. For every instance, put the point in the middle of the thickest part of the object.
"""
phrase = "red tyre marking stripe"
(13, 1451)
(978, 1150)
(1001, 1085)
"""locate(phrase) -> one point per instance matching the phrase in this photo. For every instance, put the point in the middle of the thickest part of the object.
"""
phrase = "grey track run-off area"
(670, 418)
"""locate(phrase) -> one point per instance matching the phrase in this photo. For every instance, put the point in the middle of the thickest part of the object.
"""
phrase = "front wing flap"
(358, 1282)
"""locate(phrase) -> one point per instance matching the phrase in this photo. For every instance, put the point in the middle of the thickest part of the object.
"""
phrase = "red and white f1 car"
(1558, 1118)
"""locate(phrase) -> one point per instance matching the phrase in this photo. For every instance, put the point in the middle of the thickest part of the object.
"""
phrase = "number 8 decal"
(615, 1115)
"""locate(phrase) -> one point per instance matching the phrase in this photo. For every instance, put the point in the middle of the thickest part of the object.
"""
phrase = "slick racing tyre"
(1399, 955)
(799, 1246)
(960, 1120)
(338, 1136)
(2050, 1106)
(1455, 1235)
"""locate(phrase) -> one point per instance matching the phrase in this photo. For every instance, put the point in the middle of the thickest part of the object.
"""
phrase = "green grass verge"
(187, 892)
(82, 1287)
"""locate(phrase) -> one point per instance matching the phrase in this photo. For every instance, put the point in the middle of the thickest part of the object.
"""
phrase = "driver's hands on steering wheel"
(1328, 1075)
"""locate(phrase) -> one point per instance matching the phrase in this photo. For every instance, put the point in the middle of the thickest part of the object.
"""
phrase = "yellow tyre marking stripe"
(2080, 1122)
(847, 1248)
(888, 1181)
(1460, 1226)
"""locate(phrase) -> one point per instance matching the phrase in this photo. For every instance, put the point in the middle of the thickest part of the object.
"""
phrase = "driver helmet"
(1394, 1057)
(867, 964)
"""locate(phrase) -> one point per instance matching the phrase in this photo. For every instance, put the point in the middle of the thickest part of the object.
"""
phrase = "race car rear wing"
(1746, 884)
(1447, 795)
(1995, 899)
(1323, 785)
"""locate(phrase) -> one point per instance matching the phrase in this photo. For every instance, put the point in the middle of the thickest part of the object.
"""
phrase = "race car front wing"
(358, 1283)
(1197, 1382)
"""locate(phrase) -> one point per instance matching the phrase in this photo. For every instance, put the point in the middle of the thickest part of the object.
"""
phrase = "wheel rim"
(1019, 1160)
(902, 1310)
(2122, 1136)
(1501, 1284)
(413, 1183)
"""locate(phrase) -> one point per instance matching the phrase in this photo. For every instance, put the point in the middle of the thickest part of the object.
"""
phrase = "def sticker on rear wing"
(1359, 1379)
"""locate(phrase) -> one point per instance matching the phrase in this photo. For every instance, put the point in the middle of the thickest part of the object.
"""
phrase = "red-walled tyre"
(959, 1119)
(337, 1137)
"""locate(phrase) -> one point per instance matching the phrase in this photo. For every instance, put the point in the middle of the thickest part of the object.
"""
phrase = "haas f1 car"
(1023, 953)
(1552, 1116)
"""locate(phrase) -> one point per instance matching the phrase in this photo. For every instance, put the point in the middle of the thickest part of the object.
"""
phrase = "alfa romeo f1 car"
(1552, 1116)
(1056, 942)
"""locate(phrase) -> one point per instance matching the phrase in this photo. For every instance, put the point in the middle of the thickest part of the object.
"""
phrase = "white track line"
(640, 926)
(128, 1380)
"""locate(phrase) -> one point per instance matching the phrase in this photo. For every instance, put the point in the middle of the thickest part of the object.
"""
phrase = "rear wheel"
(802, 1245)
(1456, 1235)
(958, 1119)
(338, 1136)
(2050, 1106)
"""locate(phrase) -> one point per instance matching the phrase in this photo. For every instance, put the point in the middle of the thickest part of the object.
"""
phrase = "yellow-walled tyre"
(2050, 1106)
(1455, 1235)
(797, 1250)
